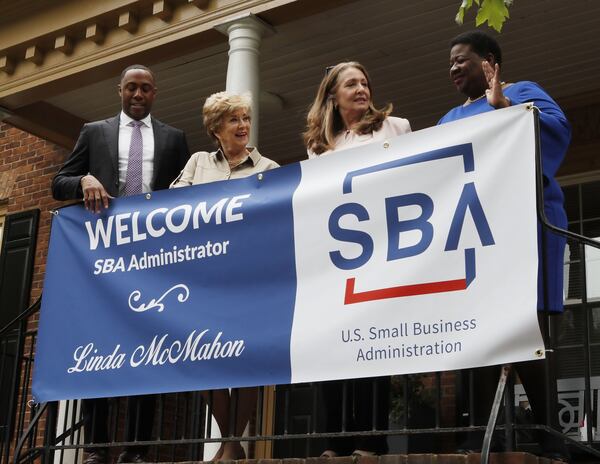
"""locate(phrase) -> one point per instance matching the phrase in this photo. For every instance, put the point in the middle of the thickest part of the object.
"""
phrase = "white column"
(66, 416)
(243, 70)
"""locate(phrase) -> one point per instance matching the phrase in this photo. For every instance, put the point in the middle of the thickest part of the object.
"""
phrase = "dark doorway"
(16, 268)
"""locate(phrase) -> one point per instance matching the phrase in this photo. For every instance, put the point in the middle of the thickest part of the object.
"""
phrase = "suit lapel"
(111, 132)
(159, 148)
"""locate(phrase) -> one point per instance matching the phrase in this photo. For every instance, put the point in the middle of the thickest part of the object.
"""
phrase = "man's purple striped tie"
(133, 179)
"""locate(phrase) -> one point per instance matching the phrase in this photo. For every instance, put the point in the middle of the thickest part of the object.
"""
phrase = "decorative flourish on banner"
(136, 295)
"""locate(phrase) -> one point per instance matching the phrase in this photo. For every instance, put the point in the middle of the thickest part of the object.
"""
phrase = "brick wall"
(27, 165)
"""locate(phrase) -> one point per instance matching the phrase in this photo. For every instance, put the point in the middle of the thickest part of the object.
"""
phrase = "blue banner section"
(189, 289)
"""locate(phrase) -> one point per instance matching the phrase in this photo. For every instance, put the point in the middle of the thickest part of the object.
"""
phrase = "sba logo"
(468, 201)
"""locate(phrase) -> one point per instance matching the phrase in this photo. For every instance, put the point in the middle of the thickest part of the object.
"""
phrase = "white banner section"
(419, 254)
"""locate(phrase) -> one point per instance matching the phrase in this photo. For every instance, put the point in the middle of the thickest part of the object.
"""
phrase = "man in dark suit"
(131, 153)
(97, 168)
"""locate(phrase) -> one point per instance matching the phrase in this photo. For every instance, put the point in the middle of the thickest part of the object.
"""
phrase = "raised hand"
(494, 93)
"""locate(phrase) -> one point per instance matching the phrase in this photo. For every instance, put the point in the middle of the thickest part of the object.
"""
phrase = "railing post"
(471, 398)
(586, 348)
(14, 391)
(509, 416)
(438, 400)
(50, 432)
(489, 432)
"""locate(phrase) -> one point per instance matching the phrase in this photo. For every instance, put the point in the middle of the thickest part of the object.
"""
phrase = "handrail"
(25, 314)
(32, 425)
(18, 327)
(541, 212)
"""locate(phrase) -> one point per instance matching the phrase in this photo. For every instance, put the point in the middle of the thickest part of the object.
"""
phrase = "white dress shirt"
(125, 132)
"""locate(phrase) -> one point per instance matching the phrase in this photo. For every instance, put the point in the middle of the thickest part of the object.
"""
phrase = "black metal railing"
(17, 345)
(288, 420)
(181, 431)
(181, 428)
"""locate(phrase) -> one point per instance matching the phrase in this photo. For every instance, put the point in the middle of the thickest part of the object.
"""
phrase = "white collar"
(125, 119)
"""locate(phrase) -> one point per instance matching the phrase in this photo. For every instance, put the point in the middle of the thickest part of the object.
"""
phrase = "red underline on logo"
(402, 290)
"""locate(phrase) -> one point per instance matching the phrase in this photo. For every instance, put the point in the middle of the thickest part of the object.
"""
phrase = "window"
(583, 213)
(571, 330)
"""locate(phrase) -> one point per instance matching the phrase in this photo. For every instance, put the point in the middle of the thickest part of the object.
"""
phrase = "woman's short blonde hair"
(219, 105)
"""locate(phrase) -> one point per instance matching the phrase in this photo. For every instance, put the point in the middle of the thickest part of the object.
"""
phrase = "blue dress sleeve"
(555, 130)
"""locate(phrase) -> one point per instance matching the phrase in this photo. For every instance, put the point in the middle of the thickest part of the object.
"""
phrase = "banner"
(413, 255)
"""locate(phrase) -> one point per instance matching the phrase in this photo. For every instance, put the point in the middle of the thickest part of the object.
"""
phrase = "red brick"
(40, 194)
(50, 170)
(421, 459)
(43, 164)
(326, 460)
(366, 459)
(504, 458)
(451, 459)
(392, 459)
(22, 150)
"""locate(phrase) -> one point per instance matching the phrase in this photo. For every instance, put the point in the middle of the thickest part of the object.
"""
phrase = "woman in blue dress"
(475, 61)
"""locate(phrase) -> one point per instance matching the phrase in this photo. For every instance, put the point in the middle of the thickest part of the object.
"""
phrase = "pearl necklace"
(473, 100)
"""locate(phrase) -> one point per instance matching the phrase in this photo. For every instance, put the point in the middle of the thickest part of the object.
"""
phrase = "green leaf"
(494, 12)
(464, 6)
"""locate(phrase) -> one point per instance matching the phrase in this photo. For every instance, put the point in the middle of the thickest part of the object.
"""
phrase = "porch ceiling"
(12, 11)
(404, 45)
